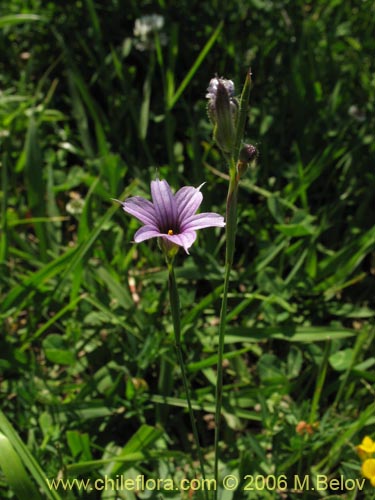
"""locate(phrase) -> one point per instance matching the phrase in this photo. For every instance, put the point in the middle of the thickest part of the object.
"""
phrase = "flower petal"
(368, 469)
(185, 239)
(188, 200)
(164, 204)
(199, 221)
(140, 208)
(145, 233)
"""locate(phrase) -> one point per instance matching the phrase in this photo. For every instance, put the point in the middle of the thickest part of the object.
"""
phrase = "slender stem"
(319, 383)
(231, 226)
(175, 310)
(361, 339)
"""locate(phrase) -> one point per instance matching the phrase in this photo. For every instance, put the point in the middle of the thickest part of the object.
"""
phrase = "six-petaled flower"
(171, 217)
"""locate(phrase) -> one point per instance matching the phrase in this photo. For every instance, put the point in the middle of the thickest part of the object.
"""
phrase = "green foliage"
(89, 381)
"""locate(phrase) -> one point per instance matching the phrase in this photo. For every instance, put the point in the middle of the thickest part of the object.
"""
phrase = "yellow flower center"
(170, 232)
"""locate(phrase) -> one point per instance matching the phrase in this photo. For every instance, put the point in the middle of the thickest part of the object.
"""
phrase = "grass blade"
(14, 19)
(15, 472)
(24, 455)
(34, 180)
(195, 66)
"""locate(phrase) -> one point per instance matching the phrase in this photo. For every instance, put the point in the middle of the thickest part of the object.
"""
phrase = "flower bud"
(247, 154)
(222, 111)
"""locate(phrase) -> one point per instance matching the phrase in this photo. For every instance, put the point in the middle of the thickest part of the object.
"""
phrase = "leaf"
(79, 444)
(135, 450)
(303, 228)
(57, 351)
(337, 267)
(14, 471)
(19, 19)
(270, 371)
(17, 295)
(290, 333)
(27, 459)
(190, 74)
(36, 187)
(341, 360)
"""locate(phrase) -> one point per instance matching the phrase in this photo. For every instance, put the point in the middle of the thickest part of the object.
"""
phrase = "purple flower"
(169, 216)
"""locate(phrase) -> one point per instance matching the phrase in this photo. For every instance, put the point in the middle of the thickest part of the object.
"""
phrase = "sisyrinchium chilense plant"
(228, 116)
(172, 219)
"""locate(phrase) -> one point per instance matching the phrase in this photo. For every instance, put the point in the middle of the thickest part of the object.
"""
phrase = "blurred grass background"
(86, 355)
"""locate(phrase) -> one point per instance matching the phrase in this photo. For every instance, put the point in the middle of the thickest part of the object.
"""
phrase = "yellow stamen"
(170, 232)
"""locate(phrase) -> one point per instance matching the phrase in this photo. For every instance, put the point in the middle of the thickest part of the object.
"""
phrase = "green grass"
(89, 381)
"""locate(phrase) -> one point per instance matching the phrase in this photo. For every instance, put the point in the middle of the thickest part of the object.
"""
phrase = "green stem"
(346, 388)
(231, 226)
(320, 383)
(175, 310)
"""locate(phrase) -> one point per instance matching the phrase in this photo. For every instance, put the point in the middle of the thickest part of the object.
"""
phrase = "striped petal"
(140, 208)
(145, 233)
(185, 239)
(165, 205)
(199, 221)
(188, 200)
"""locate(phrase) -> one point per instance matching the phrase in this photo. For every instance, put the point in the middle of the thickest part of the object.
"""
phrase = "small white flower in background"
(355, 112)
(145, 24)
(75, 205)
(144, 31)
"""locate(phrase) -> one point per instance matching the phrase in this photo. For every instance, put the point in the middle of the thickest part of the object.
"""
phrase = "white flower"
(355, 112)
(144, 30)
